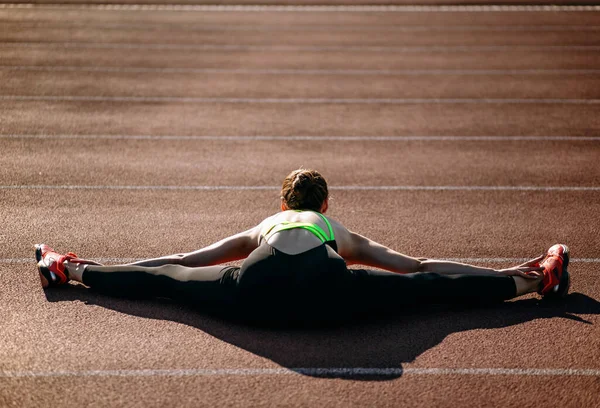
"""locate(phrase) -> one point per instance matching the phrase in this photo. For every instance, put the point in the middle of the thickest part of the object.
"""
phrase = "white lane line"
(101, 260)
(309, 101)
(312, 8)
(109, 260)
(298, 48)
(502, 260)
(187, 27)
(271, 188)
(310, 371)
(276, 71)
(469, 188)
(309, 138)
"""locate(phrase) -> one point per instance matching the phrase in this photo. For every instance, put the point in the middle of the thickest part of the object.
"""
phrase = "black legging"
(316, 286)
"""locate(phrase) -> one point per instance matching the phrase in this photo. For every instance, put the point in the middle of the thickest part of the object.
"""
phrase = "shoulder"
(265, 224)
(343, 236)
(269, 220)
(349, 243)
(335, 224)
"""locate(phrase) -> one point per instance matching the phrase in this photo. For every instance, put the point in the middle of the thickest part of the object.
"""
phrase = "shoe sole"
(43, 279)
(43, 269)
(38, 258)
(38, 252)
(564, 283)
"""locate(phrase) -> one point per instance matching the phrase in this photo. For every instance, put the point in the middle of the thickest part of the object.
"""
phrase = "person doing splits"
(295, 269)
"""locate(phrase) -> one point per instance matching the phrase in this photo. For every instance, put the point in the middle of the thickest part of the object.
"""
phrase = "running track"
(468, 133)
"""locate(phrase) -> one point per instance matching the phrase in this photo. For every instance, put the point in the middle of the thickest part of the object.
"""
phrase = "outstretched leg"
(210, 284)
(380, 289)
(215, 285)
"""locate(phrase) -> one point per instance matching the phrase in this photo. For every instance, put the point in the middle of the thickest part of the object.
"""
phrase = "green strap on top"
(314, 228)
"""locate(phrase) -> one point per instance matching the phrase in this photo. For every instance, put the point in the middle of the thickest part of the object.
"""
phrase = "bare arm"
(356, 249)
(232, 248)
(528, 270)
(454, 268)
(359, 249)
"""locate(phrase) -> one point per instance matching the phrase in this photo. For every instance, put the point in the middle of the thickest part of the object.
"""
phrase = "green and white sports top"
(325, 237)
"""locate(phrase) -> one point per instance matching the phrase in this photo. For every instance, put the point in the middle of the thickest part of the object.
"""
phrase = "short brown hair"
(304, 189)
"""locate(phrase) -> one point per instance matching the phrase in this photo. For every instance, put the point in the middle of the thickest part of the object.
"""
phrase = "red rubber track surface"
(90, 170)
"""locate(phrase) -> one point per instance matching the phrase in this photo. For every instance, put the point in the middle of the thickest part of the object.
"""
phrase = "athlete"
(295, 269)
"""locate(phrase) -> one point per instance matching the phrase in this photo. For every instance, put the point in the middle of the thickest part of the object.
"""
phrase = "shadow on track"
(384, 342)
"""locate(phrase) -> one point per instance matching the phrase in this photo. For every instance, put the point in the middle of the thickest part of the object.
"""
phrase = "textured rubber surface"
(74, 331)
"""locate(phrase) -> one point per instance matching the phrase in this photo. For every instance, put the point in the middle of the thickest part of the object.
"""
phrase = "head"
(304, 189)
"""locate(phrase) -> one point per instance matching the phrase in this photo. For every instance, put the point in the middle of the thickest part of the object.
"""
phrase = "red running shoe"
(556, 280)
(51, 265)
